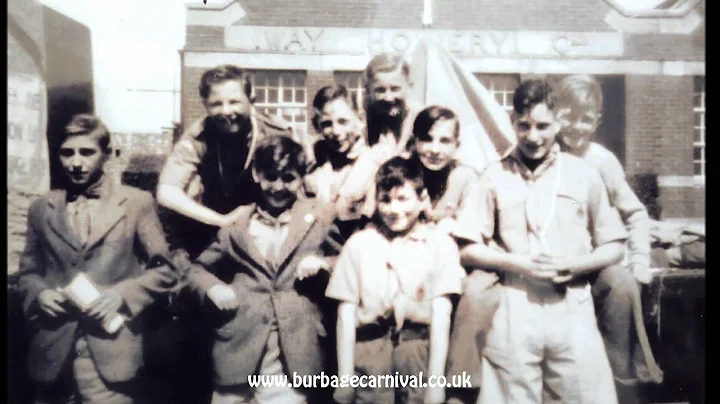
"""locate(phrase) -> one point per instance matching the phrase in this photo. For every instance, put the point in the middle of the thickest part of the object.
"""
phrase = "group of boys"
(283, 282)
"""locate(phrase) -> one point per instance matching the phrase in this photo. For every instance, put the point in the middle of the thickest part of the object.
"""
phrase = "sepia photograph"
(356, 202)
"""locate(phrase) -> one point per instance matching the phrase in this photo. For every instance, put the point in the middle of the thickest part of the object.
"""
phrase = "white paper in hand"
(82, 291)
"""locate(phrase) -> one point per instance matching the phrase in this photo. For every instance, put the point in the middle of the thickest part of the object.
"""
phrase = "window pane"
(699, 84)
(287, 95)
(273, 79)
(500, 98)
(697, 169)
(260, 96)
(258, 79)
(272, 95)
(696, 120)
(697, 154)
(697, 100)
(697, 135)
(300, 96)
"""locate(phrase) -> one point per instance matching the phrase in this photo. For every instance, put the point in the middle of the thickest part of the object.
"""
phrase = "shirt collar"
(267, 219)
(420, 233)
(528, 174)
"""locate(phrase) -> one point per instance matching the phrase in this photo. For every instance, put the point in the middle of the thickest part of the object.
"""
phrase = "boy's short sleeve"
(469, 218)
(485, 200)
(606, 224)
(344, 282)
(182, 162)
(448, 274)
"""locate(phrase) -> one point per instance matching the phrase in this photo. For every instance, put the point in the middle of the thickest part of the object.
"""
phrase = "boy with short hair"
(389, 114)
(393, 280)
(616, 294)
(111, 234)
(550, 213)
(258, 273)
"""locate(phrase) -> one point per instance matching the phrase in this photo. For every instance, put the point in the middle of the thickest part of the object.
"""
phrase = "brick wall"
(555, 15)
(192, 108)
(659, 137)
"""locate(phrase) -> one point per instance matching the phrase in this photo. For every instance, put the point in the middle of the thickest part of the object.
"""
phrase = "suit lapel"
(244, 242)
(58, 219)
(113, 210)
(302, 219)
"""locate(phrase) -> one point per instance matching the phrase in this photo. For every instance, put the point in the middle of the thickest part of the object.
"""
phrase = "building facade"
(649, 59)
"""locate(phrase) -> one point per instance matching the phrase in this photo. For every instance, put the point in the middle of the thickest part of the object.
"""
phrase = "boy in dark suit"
(259, 274)
(108, 232)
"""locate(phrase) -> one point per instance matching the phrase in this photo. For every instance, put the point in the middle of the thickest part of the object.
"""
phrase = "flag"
(486, 133)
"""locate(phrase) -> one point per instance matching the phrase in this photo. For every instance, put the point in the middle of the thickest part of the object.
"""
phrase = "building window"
(283, 94)
(502, 86)
(699, 127)
(354, 82)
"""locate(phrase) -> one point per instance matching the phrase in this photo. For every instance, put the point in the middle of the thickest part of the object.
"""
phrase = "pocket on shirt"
(511, 213)
(572, 207)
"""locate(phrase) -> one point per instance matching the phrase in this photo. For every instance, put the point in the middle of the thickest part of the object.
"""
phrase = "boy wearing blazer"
(111, 234)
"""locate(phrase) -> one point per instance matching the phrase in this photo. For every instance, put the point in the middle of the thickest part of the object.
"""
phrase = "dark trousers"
(384, 353)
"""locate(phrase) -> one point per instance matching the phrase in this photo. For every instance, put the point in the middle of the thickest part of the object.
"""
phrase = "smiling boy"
(267, 317)
(394, 312)
(615, 291)
(550, 213)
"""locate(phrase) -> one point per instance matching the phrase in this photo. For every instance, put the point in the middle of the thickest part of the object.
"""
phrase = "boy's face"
(82, 159)
(279, 190)
(578, 124)
(400, 207)
(228, 106)
(387, 93)
(340, 126)
(536, 130)
(439, 148)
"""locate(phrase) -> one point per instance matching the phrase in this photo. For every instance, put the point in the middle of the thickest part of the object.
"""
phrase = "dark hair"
(428, 117)
(386, 62)
(398, 170)
(222, 74)
(531, 93)
(279, 154)
(328, 94)
(87, 125)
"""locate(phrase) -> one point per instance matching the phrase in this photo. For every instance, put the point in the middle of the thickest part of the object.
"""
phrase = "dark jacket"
(124, 239)
(268, 291)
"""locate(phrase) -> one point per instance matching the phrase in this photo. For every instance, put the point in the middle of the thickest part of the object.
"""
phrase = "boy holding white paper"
(91, 234)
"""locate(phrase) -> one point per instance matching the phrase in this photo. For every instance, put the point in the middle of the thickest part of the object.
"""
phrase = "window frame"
(283, 108)
(701, 143)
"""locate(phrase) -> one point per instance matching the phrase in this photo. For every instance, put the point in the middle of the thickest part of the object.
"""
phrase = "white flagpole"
(427, 14)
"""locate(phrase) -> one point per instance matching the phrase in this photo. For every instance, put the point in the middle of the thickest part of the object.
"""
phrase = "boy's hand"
(540, 271)
(223, 297)
(311, 265)
(434, 395)
(344, 395)
(110, 302)
(230, 218)
(446, 225)
(51, 301)
(641, 273)
(558, 266)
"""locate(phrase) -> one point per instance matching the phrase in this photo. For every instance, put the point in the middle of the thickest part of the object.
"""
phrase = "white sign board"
(470, 44)
(28, 162)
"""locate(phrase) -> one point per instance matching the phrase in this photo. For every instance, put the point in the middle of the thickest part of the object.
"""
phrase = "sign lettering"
(28, 167)
(357, 41)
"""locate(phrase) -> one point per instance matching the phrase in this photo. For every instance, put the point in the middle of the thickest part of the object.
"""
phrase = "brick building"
(650, 61)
